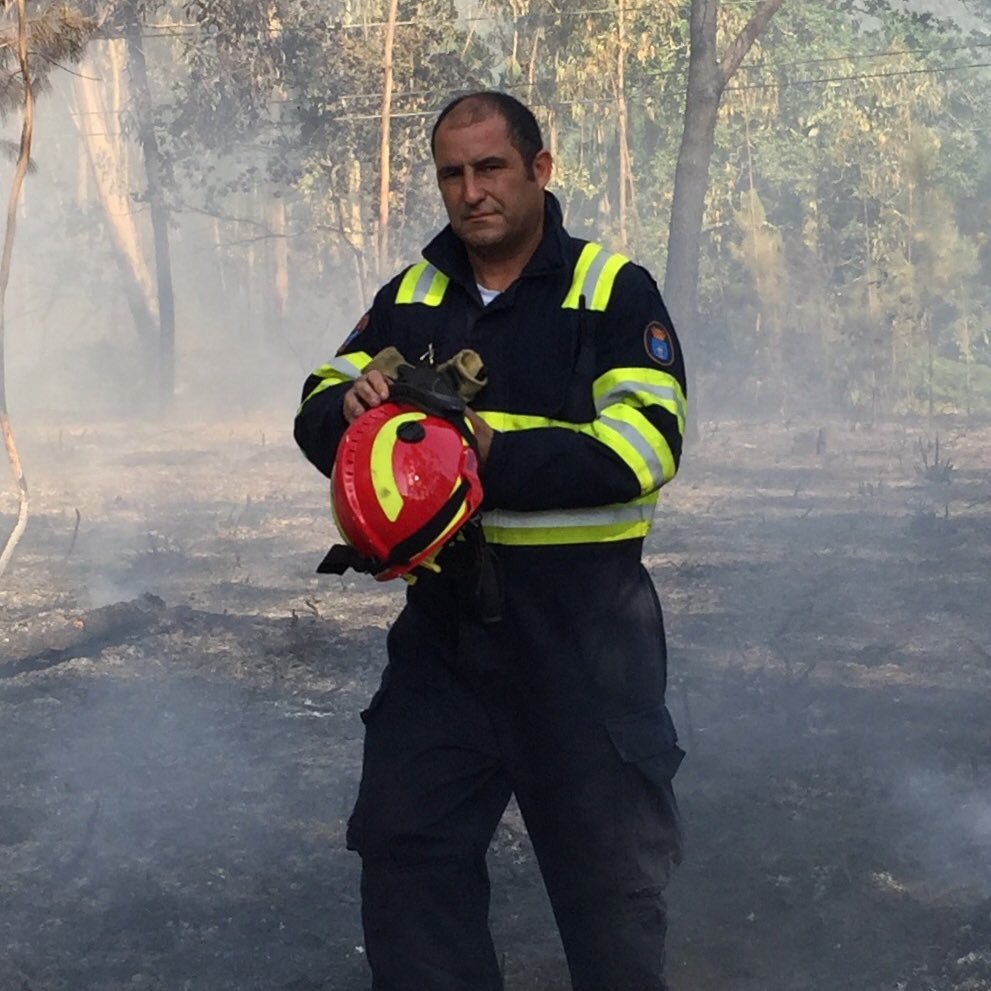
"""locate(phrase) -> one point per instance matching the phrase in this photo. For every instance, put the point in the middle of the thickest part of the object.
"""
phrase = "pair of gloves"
(464, 374)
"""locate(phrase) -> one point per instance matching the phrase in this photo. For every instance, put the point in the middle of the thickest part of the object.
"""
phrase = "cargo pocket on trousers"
(649, 741)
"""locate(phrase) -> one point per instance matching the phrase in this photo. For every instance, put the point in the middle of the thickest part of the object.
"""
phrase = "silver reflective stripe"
(342, 366)
(549, 519)
(624, 391)
(591, 279)
(641, 445)
(423, 283)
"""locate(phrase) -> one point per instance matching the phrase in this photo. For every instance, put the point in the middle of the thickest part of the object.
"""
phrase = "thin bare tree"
(23, 158)
(58, 33)
(384, 172)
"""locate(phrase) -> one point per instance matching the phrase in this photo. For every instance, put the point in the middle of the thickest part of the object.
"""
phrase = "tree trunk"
(109, 169)
(707, 78)
(384, 171)
(278, 251)
(23, 159)
(691, 178)
(622, 141)
(155, 174)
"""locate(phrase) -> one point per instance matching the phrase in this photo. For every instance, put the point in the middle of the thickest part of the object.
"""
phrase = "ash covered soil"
(180, 741)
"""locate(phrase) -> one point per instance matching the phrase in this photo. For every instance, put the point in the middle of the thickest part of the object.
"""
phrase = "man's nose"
(472, 192)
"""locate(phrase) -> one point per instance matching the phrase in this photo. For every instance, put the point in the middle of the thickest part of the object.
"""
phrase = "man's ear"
(543, 166)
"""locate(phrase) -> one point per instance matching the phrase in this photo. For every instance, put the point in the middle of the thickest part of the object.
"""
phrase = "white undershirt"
(487, 294)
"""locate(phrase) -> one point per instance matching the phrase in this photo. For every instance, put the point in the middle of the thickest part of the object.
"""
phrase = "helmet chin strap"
(343, 556)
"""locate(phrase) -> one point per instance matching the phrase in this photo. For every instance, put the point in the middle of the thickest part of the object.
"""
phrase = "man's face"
(494, 206)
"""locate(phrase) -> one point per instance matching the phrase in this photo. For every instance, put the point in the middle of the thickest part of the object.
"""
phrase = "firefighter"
(560, 700)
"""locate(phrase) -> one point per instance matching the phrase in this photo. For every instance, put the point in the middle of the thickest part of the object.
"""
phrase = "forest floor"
(180, 743)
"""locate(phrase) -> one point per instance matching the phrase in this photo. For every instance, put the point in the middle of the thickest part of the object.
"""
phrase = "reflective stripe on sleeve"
(621, 428)
(597, 524)
(344, 368)
(422, 283)
(641, 387)
(594, 276)
(642, 448)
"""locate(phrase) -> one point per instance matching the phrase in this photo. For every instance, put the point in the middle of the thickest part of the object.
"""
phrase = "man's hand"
(369, 390)
(483, 434)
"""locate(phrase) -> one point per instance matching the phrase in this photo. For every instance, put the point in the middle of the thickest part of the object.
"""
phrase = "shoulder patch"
(358, 328)
(657, 340)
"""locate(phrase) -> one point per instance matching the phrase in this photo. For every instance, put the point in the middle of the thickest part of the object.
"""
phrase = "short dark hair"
(524, 131)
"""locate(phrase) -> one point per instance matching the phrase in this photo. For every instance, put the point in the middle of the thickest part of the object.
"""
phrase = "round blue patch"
(657, 341)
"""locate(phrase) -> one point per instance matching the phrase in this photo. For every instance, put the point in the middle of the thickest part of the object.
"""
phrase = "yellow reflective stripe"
(344, 368)
(390, 499)
(585, 259)
(641, 387)
(521, 421)
(639, 443)
(438, 286)
(597, 524)
(422, 283)
(408, 286)
(594, 277)
(603, 288)
(564, 535)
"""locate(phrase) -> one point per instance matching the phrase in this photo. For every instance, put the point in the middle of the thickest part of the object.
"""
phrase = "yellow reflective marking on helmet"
(389, 497)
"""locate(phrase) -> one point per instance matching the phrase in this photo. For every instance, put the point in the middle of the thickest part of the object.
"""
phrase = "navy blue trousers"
(561, 704)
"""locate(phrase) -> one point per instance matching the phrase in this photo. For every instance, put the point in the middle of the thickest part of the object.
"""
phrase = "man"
(561, 702)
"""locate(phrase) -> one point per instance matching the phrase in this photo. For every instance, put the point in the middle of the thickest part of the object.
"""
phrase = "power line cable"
(782, 84)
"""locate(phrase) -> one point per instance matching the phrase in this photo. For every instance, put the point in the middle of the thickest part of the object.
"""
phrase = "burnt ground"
(180, 744)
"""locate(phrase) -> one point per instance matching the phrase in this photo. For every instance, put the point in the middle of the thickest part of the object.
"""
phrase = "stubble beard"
(496, 245)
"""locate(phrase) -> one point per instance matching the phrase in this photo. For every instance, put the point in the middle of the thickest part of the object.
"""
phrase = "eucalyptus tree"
(337, 96)
(29, 48)
(709, 71)
(815, 154)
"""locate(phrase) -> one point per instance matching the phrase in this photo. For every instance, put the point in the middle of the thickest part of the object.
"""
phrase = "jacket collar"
(554, 252)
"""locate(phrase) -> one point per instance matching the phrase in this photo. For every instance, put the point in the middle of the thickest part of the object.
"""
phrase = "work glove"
(388, 361)
(464, 373)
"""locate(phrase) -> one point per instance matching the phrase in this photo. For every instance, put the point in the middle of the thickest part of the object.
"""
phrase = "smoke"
(179, 839)
(946, 827)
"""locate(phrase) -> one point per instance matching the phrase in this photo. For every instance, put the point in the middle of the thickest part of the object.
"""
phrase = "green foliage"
(961, 386)
(57, 34)
(846, 232)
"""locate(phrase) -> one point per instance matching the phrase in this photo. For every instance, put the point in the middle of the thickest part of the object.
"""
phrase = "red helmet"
(404, 482)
